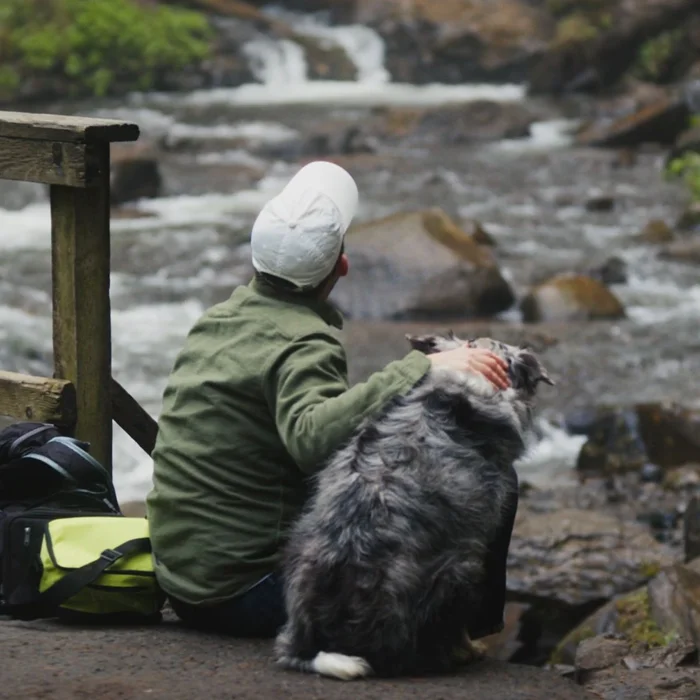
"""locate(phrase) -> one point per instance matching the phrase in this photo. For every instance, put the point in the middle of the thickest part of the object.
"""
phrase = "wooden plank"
(25, 397)
(51, 163)
(58, 127)
(133, 418)
(81, 306)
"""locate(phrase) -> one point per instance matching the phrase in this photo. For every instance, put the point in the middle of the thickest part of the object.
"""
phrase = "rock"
(656, 231)
(420, 265)
(612, 271)
(691, 529)
(689, 140)
(682, 251)
(660, 122)
(568, 562)
(595, 43)
(506, 644)
(456, 41)
(600, 652)
(570, 297)
(325, 60)
(600, 202)
(471, 122)
(624, 439)
(651, 473)
(689, 220)
(674, 599)
(135, 174)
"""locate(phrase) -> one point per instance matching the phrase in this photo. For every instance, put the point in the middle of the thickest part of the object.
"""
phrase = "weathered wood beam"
(54, 127)
(51, 163)
(81, 305)
(41, 399)
(133, 418)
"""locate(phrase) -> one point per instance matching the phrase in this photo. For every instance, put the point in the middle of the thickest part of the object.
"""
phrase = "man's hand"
(466, 359)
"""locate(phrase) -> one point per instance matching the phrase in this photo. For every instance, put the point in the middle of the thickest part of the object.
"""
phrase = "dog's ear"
(427, 344)
(526, 372)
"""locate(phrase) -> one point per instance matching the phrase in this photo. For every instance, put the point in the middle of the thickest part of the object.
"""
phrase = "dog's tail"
(345, 668)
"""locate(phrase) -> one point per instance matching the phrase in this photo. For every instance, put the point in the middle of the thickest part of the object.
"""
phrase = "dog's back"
(384, 570)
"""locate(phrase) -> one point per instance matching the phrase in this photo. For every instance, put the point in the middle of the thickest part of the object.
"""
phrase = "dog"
(387, 570)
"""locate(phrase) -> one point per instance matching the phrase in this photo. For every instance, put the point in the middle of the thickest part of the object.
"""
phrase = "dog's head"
(524, 368)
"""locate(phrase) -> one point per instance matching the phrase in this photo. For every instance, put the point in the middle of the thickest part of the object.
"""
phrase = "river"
(225, 159)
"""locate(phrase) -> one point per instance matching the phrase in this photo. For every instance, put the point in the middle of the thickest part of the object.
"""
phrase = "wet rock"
(682, 251)
(651, 473)
(570, 297)
(325, 60)
(612, 271)
(600, 202)
(688, 140)
(135, 174)
(624, 439)
(458, 41)
(420, 265)
(475, 121)
(660, 122)
(656, 231)
(689, 220)
(691, 529)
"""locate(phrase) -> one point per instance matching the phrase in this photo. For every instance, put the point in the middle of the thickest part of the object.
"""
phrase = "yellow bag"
(98, 567)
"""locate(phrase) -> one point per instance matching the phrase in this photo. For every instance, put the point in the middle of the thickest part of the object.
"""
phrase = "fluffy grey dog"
(391, 569)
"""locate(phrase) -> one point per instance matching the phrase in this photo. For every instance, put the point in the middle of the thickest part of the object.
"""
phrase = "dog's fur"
(383, 570)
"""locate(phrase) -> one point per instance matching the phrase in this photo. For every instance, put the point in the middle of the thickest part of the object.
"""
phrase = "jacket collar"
(324, 309)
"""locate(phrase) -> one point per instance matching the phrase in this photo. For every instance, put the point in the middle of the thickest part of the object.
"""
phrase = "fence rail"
(72, 156)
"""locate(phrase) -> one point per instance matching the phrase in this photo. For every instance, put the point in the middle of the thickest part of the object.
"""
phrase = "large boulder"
(455, 41)
(420, 265)
(570, 297)
(625, 438)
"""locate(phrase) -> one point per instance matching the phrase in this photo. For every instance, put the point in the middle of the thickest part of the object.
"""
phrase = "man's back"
(225, 486)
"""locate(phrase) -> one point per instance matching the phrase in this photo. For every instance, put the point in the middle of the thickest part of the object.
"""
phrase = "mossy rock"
(571, 297)
(656, 231)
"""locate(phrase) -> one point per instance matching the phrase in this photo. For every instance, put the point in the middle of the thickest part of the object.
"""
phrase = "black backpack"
(44, 476)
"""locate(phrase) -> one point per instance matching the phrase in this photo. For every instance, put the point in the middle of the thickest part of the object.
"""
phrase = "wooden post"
(82, 341)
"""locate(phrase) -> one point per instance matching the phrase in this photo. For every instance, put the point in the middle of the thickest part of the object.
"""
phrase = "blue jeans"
(259, 612)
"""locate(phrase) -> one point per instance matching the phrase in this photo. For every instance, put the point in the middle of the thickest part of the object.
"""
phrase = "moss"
(575, 28)
(649, 569)
(569, 644)
(656, 57)
(97, 44)
(635, 622)
(686, 168)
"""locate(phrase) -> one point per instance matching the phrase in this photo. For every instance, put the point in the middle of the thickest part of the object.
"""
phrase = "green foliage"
(657, 55)
(98, 43)
(687, 168)
(575, 28)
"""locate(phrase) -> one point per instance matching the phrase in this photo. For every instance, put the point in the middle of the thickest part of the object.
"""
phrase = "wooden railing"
(72, 155)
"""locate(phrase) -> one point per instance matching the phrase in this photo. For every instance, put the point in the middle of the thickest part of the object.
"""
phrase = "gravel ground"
(44, 659)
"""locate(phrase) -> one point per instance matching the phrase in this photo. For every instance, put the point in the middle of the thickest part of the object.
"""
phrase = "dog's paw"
(469, 652)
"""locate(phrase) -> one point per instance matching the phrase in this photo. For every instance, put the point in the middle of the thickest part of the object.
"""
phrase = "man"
(257, 401)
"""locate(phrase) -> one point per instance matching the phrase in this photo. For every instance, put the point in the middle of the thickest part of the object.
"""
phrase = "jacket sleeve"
(315, 411)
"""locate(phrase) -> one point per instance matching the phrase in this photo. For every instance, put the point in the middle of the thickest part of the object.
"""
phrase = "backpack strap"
(75, 581)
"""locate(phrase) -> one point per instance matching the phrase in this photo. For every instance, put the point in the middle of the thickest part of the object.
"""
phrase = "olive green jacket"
(258, 399)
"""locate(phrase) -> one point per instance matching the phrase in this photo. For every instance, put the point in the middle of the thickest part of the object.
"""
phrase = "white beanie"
(298, 235)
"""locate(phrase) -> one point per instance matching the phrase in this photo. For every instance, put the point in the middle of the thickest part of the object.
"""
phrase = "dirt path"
(47, 660)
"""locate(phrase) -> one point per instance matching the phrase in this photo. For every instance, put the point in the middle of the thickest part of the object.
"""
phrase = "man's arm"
(315, 411)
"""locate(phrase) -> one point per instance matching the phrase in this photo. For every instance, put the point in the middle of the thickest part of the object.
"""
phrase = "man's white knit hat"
(299, 233)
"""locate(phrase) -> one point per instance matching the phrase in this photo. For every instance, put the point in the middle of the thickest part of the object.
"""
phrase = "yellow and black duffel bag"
(66, 549)
(86, 568)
